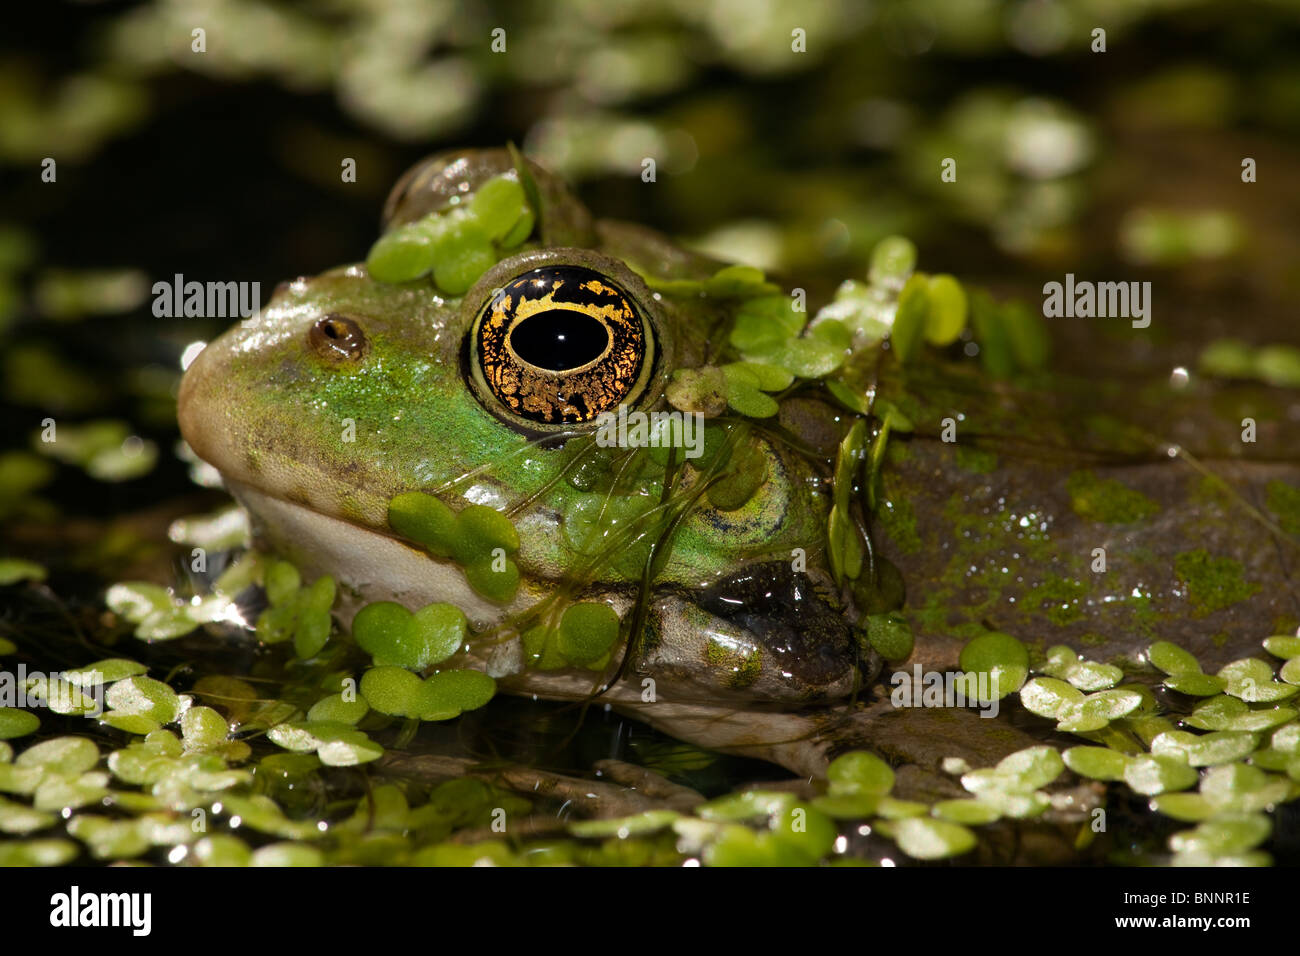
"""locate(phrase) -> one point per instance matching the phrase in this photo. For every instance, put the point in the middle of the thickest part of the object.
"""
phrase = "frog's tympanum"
(647, 477)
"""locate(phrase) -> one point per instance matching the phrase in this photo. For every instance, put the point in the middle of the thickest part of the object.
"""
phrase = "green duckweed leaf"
(221, 850)
(67, 756)
(1172, 659)
(1185, 807)
(425, 520)
(336, 709)
(1207, 749)
(745, 805)
(17, 723)
(13, 570)
(203, 728)
(1238, 788)
(587, 632)
(1096, 763)
(859, 772)
(104, 672)
(108, 839)
(392, 690)
(1032, 767)
(402, 255)
(1231, 713)
(640, 824)
(1001, 657)
(965, 811)
(146, 697)
(848, 806)
(1251, 680)
(498, 204)
(1196, 685)
(18, 818)
(892, 260)
(891, 635)
(1229, 834)
(449, 693)
(51, 852)
(1065, 664)
(462, 251)
(946, 310)
(1159, 774)
(910, 320)
(923, 838)
(287, 854)
(392, 635)
(891, 809)
(60, 793)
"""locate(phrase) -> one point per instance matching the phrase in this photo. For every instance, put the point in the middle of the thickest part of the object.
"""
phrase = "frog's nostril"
(337, 338)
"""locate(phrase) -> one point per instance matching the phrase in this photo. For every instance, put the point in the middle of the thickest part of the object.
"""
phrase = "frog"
(739, 629)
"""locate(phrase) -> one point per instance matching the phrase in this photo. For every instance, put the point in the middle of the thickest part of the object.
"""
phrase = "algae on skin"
(1284, 502)
(1107, 500)
(1212, 583)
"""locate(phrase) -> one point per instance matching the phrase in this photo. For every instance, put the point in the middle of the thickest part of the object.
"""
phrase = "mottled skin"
(990, 535)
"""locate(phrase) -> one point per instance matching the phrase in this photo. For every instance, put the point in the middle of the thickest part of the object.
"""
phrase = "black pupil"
(559, 339)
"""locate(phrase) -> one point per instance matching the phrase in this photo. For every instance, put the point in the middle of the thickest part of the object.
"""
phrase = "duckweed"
(459, 244)
(476, 538)
(392, 635)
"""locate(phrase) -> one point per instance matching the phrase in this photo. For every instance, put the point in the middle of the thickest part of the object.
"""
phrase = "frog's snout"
(201, 405)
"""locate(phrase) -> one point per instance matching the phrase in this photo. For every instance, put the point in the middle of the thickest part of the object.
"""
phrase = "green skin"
(1188, 560)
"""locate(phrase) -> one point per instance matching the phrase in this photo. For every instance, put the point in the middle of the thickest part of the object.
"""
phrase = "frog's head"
(347, 391)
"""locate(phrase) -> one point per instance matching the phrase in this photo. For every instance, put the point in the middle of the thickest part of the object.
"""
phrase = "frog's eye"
(560, 345)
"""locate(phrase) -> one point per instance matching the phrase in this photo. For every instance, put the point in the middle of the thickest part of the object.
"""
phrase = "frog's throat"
(378, 567)
(749, 657)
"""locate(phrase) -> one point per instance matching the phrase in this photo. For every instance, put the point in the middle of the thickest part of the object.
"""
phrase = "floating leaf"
(287, 854)
(640, 824)
(395, 636)
(1065, 664)
(587, 632)
(1097, 763)
(1001, 657)
(1207, 749)
(1239, 788)
(146, 697)
(449, 693)
(61, 755)
(967, 812)
(1224, 835)
(1230, 713)
(860, 772)
(17, 723)
(1251, 680)
(928, 839)
(338, 710)
(104, 672)
(53, 852)
(1159, 774)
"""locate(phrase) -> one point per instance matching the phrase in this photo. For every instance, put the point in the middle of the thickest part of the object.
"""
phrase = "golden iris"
(559, 345)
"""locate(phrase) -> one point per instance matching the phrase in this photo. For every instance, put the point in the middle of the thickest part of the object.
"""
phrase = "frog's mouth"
(764, 633)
